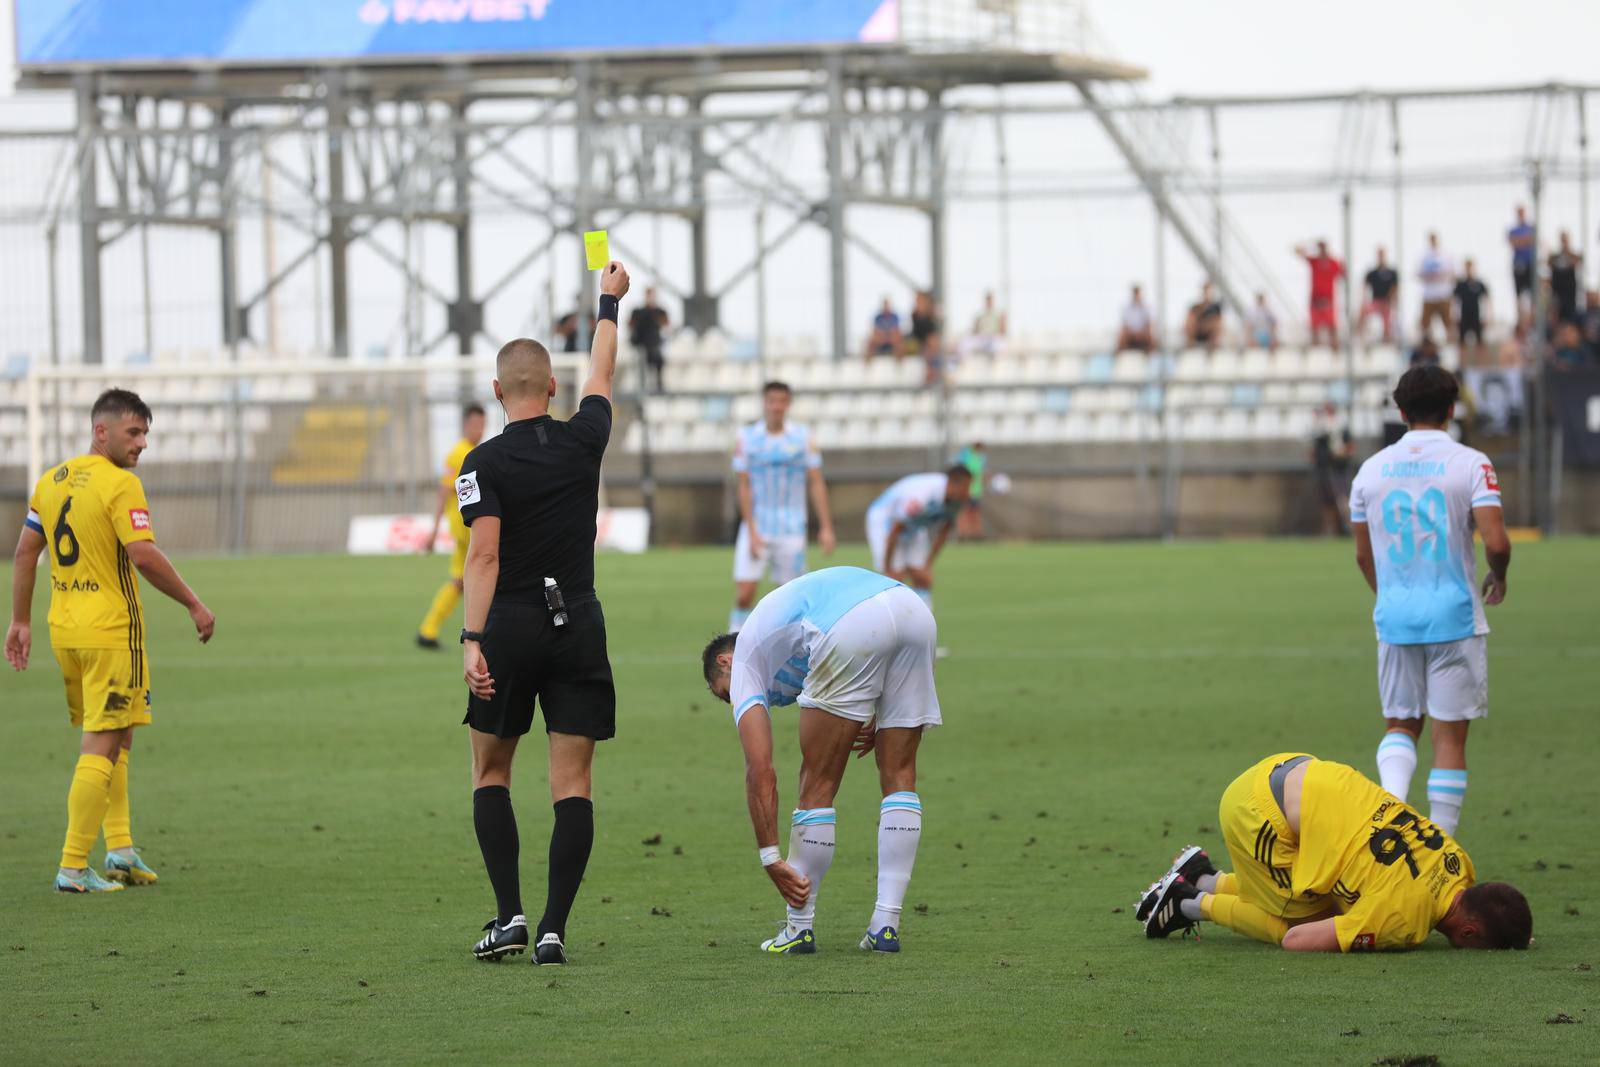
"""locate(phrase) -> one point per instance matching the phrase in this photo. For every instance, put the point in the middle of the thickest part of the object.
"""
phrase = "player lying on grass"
(1325, 861)
(910, 521)
(855, 651)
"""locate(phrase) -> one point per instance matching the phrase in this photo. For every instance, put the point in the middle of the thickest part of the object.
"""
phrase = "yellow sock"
(1227, 884)
(444, 602)
(119, 824)
(1243, 917)
(86, 808)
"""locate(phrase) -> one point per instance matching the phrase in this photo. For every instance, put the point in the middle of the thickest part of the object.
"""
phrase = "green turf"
(304, 796)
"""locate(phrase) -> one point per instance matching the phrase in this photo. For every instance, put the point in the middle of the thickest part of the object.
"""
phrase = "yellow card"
(597, 248)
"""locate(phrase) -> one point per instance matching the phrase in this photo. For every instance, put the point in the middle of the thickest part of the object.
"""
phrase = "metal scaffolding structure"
(377, 147)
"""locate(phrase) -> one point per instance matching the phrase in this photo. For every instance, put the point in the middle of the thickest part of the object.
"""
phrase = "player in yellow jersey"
(1325, 861)
(449, 594)
(91, 515)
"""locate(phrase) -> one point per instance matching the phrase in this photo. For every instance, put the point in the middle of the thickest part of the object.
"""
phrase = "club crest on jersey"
(1490, 479)
(61, 475)
(139, 518)
(467, 491)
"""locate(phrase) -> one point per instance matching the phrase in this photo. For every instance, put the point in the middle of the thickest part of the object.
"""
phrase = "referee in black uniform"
(534, 628)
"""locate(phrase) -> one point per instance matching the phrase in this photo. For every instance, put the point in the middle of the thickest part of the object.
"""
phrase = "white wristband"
(770, 855)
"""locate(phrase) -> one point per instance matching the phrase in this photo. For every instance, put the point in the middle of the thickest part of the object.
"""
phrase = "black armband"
(608, 308)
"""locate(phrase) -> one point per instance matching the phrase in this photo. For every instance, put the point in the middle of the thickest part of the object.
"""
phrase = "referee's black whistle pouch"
(555, 603)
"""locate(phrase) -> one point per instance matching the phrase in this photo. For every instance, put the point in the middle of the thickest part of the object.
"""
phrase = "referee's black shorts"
(565, 668)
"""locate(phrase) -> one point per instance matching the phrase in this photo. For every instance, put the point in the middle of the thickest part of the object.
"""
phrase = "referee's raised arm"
(603, 350)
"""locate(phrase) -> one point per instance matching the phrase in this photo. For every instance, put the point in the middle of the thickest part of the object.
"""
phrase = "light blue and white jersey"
(1416, 497)
(773, 653)
(777, 464)
(917, 500)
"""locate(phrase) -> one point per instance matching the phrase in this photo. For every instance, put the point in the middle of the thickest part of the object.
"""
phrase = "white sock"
(899, 831)
(1397, 762)
(1206, 883)
(811, 834)
(737, 618)
(122, 853)
(1190, 909)
(1447, 790)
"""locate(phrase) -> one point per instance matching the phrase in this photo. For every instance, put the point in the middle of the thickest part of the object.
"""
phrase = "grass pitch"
(304, 797)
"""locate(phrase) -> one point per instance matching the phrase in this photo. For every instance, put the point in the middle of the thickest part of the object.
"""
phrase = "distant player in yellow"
(449, 594)
(92, 514)
(1325, 861)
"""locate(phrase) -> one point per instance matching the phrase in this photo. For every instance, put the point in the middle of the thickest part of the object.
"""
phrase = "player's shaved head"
(523, 370)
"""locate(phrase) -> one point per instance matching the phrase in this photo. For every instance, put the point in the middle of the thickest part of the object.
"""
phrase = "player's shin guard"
(571, 840)
(1447, 789)
(496, 824)
(118, 824)
(87, 800)
(899, 832)
(1243, 917)
(1397, 761)
(444, 602)
(811, 837)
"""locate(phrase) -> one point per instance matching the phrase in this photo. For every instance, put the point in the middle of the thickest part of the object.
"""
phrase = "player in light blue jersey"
(1412, 510)
(778, 466)
(910, 521)
(855, 651)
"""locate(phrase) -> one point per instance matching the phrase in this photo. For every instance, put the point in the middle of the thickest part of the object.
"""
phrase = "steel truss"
(376, 151)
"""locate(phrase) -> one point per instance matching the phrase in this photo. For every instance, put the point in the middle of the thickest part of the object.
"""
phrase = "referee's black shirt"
(541, 478)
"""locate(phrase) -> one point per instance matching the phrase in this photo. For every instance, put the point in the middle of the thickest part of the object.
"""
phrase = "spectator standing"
(1472, 298)
(646, 328)
(1263, 324)
(886, 338)
(1137, 333)
(1437, 272)
(1383, 284)
(1203, 327)
(1523, 254)
(1566, 263)
(1325, 274)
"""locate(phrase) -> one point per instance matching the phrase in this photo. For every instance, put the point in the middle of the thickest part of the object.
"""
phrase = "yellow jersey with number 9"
(88, 509)
(1390, 872)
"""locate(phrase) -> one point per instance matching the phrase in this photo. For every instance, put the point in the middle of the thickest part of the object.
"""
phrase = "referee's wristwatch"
(471, 635)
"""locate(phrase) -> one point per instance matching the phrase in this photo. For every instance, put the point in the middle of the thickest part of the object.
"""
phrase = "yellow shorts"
(107, 688)
(1261, 844)
(458, 560)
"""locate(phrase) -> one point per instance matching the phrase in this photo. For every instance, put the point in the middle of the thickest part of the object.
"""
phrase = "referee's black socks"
(570, 842)
(496, 824)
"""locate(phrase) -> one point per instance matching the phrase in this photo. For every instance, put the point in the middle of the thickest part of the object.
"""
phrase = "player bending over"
(778, 465)
(449, 594)
(1325, 861)
(1413, 508)
(908, 524)
(855, 650)
(92, 513)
